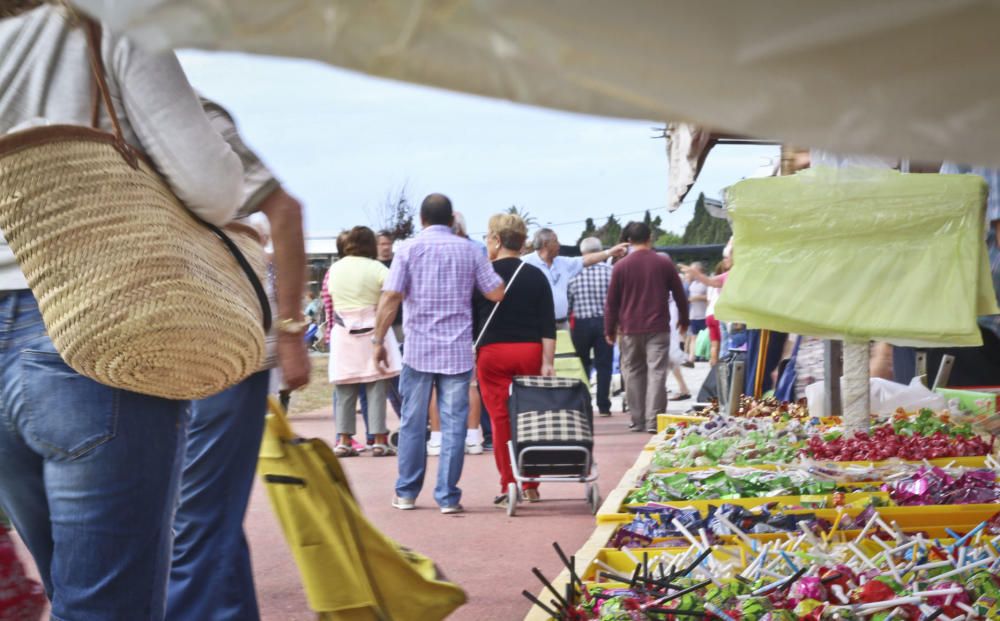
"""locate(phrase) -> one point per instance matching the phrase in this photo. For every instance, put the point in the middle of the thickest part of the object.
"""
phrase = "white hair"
(590, 245)
(542, 238)
(458, 225)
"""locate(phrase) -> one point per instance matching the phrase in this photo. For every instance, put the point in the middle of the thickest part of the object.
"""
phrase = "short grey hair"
(543, 237)
(591, 245)
(458, 225)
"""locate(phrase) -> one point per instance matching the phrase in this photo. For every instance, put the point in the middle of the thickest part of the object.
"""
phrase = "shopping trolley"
(552, 436)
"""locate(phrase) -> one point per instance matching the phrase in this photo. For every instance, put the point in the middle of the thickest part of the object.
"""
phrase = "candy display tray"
(944, 462)
(933, 520)
(623, 514)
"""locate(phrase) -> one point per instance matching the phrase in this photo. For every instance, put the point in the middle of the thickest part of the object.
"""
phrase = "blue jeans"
(453, 403)
(88, 475)
(588, 334)
(211, 578)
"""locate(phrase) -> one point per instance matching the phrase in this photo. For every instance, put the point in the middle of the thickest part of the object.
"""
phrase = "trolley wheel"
(593, 497)
(511, 499)
(394, 439)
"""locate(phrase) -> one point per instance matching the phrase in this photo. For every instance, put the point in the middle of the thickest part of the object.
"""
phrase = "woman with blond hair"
(352, 290)
(519, 340)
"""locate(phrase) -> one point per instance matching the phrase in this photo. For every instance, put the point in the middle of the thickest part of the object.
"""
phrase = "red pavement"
(483, 550)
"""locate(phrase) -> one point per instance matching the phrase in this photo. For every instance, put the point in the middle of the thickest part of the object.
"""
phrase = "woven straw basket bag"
(135, 291)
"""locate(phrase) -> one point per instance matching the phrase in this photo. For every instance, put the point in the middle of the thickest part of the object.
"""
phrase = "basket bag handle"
(102, 94)
(489, 319)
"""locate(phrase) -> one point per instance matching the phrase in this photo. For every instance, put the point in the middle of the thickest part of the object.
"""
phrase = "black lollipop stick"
(534, 600)
(548, 585)
(569, 562)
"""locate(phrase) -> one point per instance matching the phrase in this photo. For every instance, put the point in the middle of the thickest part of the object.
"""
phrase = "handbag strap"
(92, 30)
(496, 306)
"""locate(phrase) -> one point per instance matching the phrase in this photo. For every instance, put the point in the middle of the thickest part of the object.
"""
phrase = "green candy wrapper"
(755, 608)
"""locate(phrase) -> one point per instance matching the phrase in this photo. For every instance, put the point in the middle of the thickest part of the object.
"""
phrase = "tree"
(611, 232)
(395, 214)
(530, 221)
(589, 230)
(654, 224)
(668, 238)
(704, 228)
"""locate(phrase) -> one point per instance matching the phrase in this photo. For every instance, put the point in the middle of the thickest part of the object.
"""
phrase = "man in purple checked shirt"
(433, 276)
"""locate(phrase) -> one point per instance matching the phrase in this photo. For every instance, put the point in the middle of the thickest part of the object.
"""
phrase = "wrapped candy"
(927, 423)
(810, 609)
(934, 486)
(872, 591)
(949, 603)
(810, 587)
(754, 608)
(983, 584)
(884, 443)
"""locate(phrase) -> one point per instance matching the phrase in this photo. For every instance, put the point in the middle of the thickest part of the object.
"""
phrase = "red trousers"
(496, 367)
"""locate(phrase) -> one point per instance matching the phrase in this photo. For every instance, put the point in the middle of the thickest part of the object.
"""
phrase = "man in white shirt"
(560, 270)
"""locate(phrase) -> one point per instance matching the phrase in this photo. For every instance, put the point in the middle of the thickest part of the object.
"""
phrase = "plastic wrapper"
(935, 486)
(734, 483)
(883, 443)
(885, 397)
(859, 255)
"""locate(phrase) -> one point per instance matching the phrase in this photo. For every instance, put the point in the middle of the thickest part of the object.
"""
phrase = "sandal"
(342, 450)
(531, 495)
(382, 450)
(679, 397)
(500, 502)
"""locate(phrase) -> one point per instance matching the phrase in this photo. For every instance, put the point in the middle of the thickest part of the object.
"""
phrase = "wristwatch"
(291, 326)
(376, 340)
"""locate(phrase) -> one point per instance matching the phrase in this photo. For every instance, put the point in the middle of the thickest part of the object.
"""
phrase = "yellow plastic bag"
(350, 570)
(860, 254)
(567, 363)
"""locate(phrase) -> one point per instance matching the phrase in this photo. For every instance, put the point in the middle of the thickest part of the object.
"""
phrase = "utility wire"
(628, 213)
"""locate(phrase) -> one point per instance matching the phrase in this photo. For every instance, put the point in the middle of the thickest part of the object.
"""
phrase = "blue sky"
(342, 142)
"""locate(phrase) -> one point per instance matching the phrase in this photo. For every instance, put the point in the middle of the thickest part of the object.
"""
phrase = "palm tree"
(529, 220)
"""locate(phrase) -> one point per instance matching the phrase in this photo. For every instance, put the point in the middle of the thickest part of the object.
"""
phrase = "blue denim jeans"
(453, 403)
(211, 578)
(588, 334)
(88, 475)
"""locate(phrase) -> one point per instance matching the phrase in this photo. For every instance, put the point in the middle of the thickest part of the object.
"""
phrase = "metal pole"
(944, 371)
(735, 386)
(857, 387)
(833, 369)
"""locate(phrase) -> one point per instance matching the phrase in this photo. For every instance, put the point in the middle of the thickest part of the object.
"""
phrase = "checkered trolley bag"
(552, 435)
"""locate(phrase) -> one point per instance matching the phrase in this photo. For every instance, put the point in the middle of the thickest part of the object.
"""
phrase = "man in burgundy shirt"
(637, 309)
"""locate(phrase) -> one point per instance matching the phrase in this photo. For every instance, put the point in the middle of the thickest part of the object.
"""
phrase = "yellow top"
(355, 282)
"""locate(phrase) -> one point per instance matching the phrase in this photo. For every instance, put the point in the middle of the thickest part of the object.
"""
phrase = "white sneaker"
(404, 504)
(474, 448)
(433, 449)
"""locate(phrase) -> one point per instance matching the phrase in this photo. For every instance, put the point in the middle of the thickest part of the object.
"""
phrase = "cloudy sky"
(342, 142)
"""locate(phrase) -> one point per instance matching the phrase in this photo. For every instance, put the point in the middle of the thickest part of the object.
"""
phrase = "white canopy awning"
(903, 78)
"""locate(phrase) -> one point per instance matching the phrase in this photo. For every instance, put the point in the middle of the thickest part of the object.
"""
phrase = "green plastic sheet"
(860, 254)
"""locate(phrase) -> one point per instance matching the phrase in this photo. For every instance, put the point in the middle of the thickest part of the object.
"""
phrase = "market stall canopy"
(859, 255)
(688, 147)
(905, 78)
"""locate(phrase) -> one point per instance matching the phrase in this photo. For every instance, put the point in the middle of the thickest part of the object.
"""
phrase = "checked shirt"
(588, 291)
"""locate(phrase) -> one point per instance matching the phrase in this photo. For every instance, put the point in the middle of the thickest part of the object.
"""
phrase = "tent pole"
(857, 391)
(833, 369)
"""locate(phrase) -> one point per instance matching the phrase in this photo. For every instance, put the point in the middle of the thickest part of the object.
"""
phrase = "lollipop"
(810, 587)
